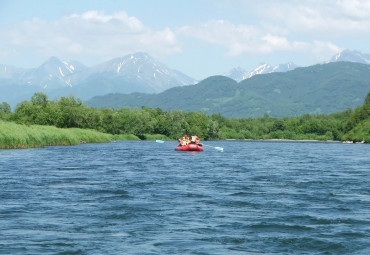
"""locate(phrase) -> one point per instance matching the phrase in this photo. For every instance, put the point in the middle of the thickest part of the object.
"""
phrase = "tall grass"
(14, 135)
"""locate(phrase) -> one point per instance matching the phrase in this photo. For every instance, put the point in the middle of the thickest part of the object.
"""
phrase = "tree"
(24, 113)
(40, 99)
(278, 125)
(367, 99)
(5, 108)
(213, 130)
(69, 108)
(176, 124)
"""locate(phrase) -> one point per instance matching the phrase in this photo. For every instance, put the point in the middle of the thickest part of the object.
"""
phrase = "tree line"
(69, 112)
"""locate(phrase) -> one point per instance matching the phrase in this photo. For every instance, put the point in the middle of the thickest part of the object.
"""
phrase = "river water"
(145, 198)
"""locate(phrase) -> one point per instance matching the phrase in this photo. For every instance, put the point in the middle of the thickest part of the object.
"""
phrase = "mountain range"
(318, 89)
(240, 74)
(134, 73)
(351, 56)
(137, 72)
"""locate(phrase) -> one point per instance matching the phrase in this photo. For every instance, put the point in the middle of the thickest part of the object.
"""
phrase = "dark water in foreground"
(146, 198)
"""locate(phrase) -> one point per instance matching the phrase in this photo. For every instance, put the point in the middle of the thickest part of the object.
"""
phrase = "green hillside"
(357, 127)
(319, 89)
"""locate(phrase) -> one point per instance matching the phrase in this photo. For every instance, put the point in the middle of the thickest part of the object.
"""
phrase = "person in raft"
(186, 140)
(181, 141)
(195, 140)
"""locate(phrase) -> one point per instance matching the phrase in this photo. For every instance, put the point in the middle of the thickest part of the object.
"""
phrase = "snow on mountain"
(141, 67)
(53, 73)
(137, 72)
(240, 74)
(351, 56)
(261, 69)
(285, 67)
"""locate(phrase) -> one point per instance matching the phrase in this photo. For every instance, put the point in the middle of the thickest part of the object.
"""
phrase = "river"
(130, 197)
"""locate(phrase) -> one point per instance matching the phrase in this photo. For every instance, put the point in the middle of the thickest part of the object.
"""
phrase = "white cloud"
(304, 28)
(92, 34)
(323, 51)
(275, 42)
(321, 18)
(240, 39)
(116, 19)
(355, 9)
(316, 29)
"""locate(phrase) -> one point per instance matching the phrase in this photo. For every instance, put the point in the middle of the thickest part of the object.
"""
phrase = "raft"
(189, 147)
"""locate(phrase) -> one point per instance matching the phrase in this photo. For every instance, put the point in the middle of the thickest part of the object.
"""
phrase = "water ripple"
(146, 198)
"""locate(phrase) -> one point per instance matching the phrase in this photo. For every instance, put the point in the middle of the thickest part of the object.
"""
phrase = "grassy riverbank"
(14, 136)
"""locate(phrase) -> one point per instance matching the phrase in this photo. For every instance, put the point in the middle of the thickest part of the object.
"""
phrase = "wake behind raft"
(189, 147)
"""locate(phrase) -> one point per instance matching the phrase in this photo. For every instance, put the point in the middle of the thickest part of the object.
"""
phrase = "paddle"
(217, 148)
(159, 141)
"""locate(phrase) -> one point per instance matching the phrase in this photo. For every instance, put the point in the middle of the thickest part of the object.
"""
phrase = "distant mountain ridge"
(240, 74)
(318, 89)
(52, 74)
(133, 73)
(142, 67)
(351, 56)
(136, 72)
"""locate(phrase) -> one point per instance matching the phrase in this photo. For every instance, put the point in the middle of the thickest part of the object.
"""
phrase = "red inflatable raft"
(189, 147)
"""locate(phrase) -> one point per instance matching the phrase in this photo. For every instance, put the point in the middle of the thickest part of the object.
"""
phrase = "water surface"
(146, 198)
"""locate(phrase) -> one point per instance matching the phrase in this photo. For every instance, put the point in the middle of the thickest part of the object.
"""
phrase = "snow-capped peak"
(239, 74)
(351, 56)
(52, 73)
(142, 67)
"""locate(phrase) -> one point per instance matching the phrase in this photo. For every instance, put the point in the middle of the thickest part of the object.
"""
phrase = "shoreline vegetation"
(19, 136)
(40, 122)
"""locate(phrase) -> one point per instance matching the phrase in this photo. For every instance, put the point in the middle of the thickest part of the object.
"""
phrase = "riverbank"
(17, 136)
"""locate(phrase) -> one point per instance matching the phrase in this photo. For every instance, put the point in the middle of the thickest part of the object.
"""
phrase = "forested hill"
(319, 89)
(357, 127)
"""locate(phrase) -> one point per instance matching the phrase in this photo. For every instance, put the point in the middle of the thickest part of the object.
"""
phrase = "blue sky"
(198, 37)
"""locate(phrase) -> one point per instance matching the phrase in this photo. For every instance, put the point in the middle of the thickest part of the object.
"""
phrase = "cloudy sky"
(198, 37)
